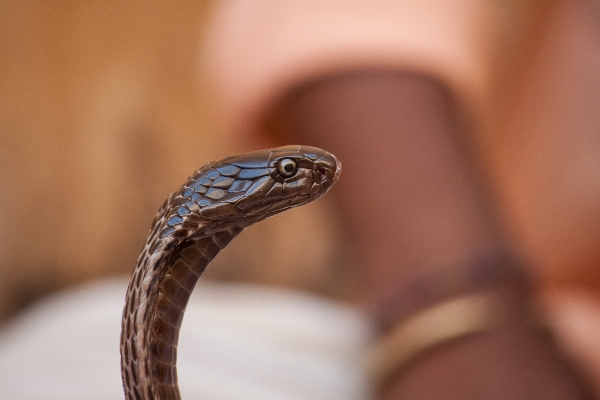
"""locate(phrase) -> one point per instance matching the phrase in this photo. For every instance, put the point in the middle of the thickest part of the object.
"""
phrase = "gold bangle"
(441, 323)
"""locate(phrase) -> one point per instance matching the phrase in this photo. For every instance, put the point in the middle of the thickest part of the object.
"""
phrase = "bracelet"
(432, 286)
(442, 323)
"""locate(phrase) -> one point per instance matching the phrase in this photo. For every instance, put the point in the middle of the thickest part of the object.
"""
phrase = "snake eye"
(287, 168)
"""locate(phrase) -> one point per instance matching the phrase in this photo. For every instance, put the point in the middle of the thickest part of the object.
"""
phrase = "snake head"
(247, 188)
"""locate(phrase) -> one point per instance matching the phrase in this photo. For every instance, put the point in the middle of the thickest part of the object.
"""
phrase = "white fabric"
(237, 342)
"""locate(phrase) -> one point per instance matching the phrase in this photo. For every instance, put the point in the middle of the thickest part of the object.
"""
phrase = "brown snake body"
(193, 225)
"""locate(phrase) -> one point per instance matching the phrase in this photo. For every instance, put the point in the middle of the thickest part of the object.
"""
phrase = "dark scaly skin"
(193, 225)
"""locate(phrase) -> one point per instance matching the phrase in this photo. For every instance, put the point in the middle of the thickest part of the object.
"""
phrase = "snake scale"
(192, 226)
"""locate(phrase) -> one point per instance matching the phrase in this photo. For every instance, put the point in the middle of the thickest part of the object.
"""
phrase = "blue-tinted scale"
(215, 193)
(204, 202)
(181, 201)
(201, 189)
(228, 170)
(174, 220)
(183, 211)
(213, 174)
(187, 192)
(167, 231)
(223, 182)
(197, 196)
(239, 186)
(252, 173)
(205, 182)
(198, 175)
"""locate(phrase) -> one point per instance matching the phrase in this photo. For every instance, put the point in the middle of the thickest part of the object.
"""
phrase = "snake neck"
(156, 300)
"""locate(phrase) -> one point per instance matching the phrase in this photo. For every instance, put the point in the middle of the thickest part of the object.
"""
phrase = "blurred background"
(103, 114)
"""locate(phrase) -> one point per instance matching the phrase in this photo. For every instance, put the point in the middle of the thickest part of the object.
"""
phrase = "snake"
(195, 222)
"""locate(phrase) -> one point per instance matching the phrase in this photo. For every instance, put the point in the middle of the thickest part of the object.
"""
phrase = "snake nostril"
(321, 173)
